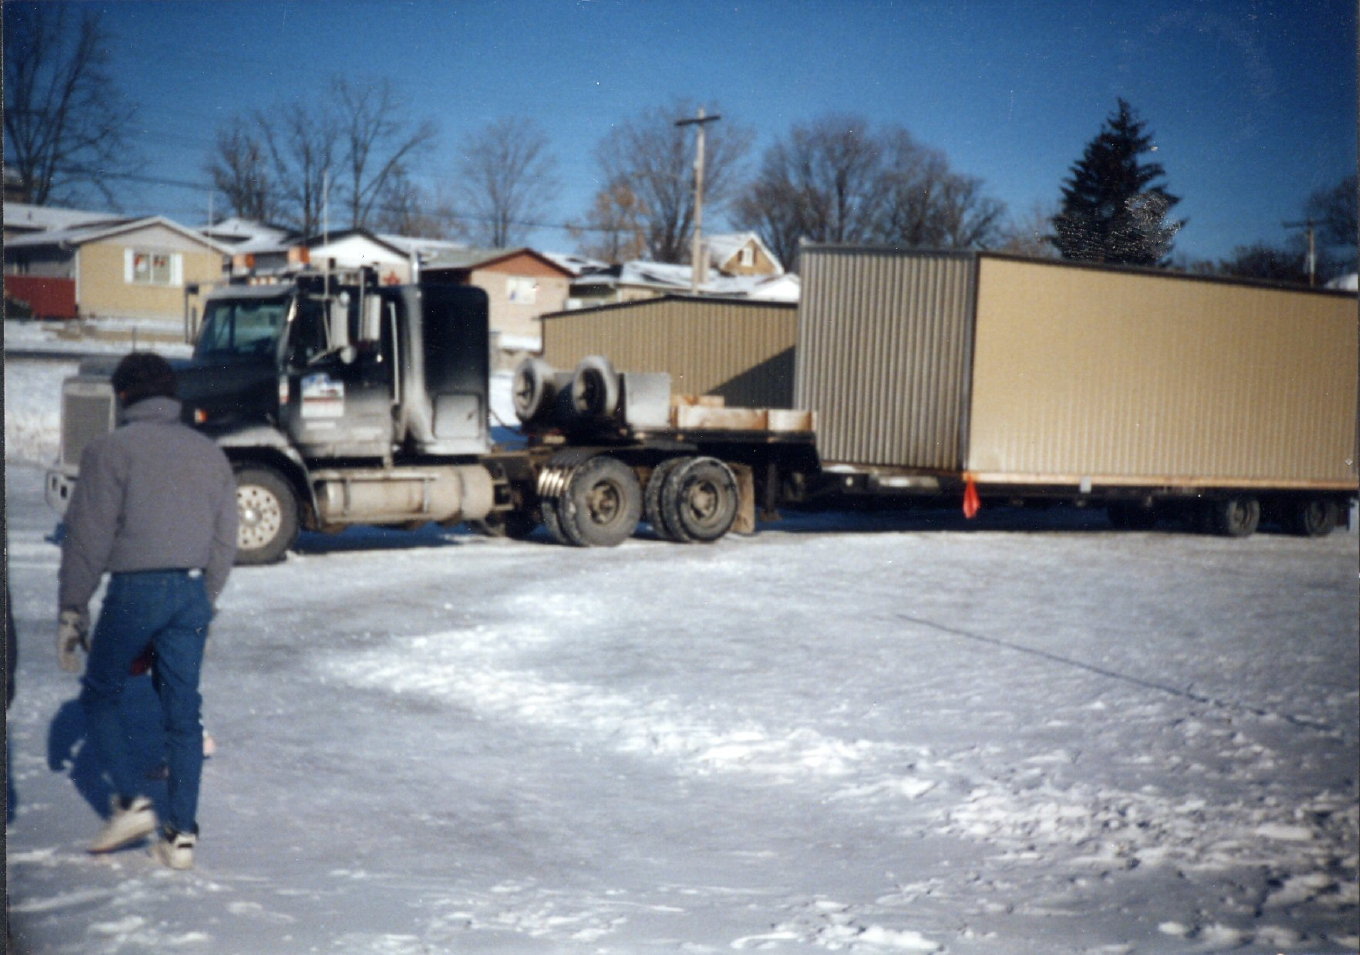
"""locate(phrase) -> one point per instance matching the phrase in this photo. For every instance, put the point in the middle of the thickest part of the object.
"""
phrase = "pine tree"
(1113, 208)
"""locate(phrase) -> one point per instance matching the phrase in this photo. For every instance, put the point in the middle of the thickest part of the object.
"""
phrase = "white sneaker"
(127, 825)
(175, 849)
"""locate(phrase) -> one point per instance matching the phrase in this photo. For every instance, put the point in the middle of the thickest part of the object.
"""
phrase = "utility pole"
(1311, 226)
(698, 269)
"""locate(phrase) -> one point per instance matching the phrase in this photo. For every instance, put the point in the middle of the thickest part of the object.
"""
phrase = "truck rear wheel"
(1314, 517)
(652, 511)
(601, 504)
(267, 511)
(699, 500)
(1236, 516)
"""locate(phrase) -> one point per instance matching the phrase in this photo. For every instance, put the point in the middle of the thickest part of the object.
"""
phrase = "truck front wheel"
(267, 511)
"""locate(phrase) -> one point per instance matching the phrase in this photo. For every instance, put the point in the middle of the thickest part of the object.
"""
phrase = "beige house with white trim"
(137, 269)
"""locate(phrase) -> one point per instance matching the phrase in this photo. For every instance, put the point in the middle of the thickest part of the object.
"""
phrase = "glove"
(73, 637)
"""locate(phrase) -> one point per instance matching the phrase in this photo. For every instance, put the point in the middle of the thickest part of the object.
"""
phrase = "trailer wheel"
(699, 500)
(652, 510)
(1236, 516)
(1314, 517)
(601, 504)
(267, 514)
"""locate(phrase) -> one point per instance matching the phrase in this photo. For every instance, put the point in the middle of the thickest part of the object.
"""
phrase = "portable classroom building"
(1027, 372)
(739, 350)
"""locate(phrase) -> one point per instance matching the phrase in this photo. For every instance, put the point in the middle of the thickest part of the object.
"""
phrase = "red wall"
(47, 297)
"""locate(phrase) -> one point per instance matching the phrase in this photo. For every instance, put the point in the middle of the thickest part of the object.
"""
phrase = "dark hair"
(143, 374)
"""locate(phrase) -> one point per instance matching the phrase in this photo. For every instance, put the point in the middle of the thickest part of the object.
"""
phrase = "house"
(741, 253)
(267, 250)
(742, 267)
(126, 268)
(521, 284)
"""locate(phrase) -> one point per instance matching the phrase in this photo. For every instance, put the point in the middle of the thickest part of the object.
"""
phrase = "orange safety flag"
(971, 504)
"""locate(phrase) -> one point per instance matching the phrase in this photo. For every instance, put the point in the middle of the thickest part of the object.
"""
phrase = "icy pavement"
(875, 734)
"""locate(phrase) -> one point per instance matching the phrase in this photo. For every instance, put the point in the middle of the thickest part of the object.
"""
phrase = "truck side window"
(308, 337)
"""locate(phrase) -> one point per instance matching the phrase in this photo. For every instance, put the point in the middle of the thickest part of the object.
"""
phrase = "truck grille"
(87, 412)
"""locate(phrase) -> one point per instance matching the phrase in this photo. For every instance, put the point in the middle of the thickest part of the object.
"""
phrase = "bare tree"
(834, 180)
(379, 144)
(653, 159)
(304, 144)
(1030, 235)
(614, 229)
(240, 171)
(1334, 210)
(64, 119)
(338, 158)
(506, 177)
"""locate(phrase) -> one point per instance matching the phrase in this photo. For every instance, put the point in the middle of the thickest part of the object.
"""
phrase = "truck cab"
(337, 403)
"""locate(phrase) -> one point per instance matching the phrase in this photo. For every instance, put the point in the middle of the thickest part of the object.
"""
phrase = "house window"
(748, 256)
(521, 291)
(146, 267)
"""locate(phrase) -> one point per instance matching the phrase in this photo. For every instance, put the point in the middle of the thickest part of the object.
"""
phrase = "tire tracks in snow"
(1184, 693)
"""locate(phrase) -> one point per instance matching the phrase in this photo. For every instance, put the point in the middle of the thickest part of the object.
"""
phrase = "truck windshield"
(240, 328)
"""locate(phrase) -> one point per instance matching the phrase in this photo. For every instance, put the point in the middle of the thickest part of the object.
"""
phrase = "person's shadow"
(69, 749)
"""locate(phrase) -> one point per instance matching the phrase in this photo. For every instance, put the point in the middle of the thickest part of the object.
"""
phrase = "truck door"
(335, 403)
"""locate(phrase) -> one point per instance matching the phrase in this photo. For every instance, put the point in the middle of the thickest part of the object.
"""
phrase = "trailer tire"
(652, 510)
(1236, 516)
(1313, 517)
(601, 504)
(700, 500)
(595, 388)
(267, 514)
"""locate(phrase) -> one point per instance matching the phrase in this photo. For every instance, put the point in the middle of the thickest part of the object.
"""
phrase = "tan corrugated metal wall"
(1094, 372)
(884, 351)
(741, 351)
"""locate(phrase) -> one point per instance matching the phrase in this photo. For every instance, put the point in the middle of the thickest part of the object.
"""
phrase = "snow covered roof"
(105, 230)
(412, 245)
(236, 229)
(1347, 283)
(23, 216)
(577, 265)
(665, 277)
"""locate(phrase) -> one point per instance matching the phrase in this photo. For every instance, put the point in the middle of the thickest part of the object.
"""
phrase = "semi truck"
(929, 379)
(340, 401)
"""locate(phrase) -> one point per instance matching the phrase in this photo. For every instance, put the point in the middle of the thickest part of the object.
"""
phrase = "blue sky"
(1252, 102)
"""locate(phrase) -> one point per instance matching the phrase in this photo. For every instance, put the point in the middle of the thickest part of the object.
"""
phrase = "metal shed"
(1029, 371)
(740, 350)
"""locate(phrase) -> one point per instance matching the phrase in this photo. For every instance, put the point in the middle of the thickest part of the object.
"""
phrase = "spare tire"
(595, 388)
(532, 389)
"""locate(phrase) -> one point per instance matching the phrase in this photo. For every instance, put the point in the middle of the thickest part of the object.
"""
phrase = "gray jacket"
(152, 495)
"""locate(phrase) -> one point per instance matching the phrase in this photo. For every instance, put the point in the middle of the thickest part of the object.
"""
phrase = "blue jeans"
(169, 610)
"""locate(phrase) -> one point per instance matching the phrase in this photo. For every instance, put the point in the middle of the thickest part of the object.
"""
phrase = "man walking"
(155, 507)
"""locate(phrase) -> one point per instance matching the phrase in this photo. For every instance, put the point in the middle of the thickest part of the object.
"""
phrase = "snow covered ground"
(868, 733)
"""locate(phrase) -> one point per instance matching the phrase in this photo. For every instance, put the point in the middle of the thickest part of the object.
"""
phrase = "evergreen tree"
(1113, 207)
